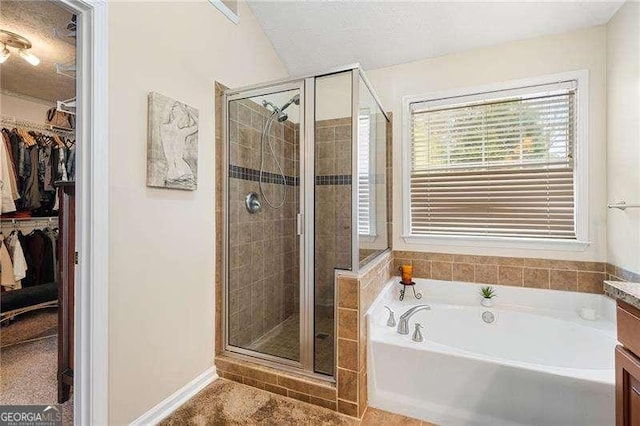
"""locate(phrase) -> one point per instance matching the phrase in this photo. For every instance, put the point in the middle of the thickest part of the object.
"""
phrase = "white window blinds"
(500, 166)
(365, 208)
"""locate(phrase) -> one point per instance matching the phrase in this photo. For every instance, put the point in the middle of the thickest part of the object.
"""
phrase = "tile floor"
(286, 343)
(229, 403)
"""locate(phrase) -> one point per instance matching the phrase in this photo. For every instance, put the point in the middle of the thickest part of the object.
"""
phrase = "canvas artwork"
(172, 150)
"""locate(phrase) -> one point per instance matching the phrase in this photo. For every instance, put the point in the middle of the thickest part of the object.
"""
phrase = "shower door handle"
(299, 224)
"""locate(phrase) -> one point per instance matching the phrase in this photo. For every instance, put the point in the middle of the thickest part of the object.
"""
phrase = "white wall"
(23, 108)
(623, 135)
(333, 96)
(579, 50)
(161, 272)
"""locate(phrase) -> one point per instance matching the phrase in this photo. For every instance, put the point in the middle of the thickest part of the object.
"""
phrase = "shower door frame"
(306, 85)
(305, 222)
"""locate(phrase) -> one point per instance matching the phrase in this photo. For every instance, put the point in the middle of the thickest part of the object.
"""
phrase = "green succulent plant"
(488, 292)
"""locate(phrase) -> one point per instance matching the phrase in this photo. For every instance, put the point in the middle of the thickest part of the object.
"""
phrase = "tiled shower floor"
(286, 342)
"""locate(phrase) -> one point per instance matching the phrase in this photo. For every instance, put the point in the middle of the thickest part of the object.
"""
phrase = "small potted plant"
(487, 293)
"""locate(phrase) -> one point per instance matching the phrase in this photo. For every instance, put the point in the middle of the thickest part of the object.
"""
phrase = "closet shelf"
(31, 125)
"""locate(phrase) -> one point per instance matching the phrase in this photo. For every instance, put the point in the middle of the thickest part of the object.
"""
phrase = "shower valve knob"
(252, 203)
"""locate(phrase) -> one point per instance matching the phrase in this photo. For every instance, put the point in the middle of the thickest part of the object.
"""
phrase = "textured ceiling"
(36, 20)
(310, 36)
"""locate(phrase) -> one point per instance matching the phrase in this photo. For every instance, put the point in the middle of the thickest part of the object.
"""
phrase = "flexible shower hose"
(265, 134)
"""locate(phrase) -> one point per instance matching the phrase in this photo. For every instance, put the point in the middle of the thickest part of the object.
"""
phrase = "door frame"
(91, 351)
(305, 364)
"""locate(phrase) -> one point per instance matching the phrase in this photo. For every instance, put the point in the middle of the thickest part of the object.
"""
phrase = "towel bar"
(621, 205)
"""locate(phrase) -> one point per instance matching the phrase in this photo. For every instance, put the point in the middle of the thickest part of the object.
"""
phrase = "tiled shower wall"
(263, 247)
(333, 204)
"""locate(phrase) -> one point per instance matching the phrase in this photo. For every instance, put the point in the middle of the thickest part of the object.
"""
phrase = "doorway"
(87, 262)
(38, 71)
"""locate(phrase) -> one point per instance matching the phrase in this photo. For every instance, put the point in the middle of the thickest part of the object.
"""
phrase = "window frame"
(487, 92)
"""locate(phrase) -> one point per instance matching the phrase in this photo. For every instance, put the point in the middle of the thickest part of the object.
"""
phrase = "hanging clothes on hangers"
(38, 250)
(7, 279)
(7, 180)
(32, 158)
(52, 234)
(17, 256)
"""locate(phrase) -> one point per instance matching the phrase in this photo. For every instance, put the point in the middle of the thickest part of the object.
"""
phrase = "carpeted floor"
(228, 403)
(225, 403)
(29, 326)
(28, 369)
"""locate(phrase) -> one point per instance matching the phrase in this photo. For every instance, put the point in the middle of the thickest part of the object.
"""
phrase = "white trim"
(486, 242)
(91, 352)
(233, 16)
(581, 170)
(176, 399)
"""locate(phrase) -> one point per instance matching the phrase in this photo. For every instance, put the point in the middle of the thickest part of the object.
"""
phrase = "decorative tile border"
(333, 180)
(245, 173)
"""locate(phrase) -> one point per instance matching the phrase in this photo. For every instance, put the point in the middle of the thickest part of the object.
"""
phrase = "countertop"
(625, 291)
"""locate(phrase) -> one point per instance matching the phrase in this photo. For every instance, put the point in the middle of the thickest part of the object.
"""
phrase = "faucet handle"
(417, 334)
(391, 322)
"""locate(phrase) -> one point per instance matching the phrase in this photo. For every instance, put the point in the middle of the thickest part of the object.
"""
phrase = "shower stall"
(305, 195)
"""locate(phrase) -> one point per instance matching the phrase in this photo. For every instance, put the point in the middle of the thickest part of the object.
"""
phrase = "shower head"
(281, 115)
(294, 100)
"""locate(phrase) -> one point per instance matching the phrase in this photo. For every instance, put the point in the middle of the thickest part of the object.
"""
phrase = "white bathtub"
(538, 363)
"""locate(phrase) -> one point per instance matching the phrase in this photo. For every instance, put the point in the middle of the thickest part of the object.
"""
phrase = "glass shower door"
(332, 152)
(264, 234)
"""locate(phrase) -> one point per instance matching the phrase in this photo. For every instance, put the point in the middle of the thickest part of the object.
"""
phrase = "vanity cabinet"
(628, 366)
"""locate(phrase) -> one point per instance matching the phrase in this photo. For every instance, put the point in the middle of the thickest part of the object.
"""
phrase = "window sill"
(515, 243)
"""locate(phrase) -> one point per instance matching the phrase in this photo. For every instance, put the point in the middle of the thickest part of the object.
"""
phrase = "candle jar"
(406, 272)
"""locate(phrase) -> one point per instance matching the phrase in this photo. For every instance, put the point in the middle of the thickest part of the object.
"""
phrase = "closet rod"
(30, 125)
(27, 220)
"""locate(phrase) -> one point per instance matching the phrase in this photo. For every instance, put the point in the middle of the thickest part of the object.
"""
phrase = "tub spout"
(403, 322)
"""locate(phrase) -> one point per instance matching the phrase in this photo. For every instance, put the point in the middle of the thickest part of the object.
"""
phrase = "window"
(366, 174)
(495, 165)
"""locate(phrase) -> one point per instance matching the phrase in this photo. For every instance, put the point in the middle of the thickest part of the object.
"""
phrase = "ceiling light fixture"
(29, 57)
(4, 53)
(9, 39)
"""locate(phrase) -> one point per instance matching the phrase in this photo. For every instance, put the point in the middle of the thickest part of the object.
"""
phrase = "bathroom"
(487, 151)
(495, 169)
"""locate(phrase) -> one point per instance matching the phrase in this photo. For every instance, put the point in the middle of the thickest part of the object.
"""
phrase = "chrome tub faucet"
(403, 322)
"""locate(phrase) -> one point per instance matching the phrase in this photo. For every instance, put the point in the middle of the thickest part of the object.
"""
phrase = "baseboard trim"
(175, 400)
